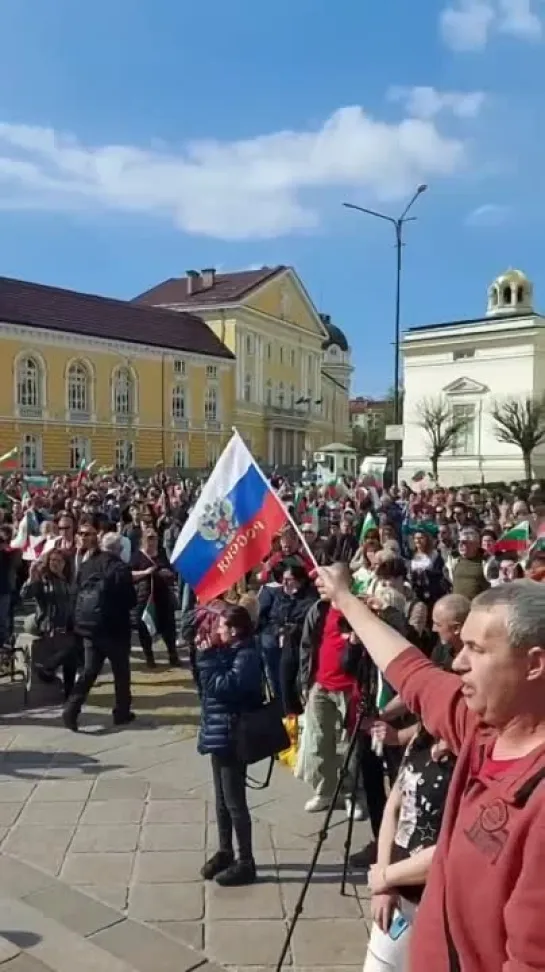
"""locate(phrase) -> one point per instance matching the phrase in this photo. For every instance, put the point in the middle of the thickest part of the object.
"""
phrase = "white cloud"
(255, 188)
(426, 102)
(488, 215)
(467, 25)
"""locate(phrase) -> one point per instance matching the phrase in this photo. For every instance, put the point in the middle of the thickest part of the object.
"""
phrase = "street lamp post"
(398, 224)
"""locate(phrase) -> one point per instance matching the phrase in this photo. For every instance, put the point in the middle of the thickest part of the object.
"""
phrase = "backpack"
(91, 605)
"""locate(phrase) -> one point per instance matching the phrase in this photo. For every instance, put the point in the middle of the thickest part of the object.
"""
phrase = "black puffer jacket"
(230, 681)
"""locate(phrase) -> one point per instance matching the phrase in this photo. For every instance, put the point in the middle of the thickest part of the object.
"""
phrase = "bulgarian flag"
(515, 540)
(84, 470)
(149, 617)
(310, 518)
(10, 460)
(299, 501)
(368, 524)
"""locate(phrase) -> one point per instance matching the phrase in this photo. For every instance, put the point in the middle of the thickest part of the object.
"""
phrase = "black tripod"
(322, 836)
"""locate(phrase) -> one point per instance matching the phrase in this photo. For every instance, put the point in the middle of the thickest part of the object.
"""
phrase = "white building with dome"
(469, 365)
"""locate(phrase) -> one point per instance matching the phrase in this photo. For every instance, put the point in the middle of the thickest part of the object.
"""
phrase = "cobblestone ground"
(103, 833)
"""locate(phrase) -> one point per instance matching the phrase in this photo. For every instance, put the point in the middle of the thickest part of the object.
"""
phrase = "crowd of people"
(452, 751)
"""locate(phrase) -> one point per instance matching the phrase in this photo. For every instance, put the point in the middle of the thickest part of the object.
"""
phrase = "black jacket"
(119, 596)
(230, 681)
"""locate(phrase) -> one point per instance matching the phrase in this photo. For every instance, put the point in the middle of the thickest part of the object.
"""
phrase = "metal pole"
(398, 225)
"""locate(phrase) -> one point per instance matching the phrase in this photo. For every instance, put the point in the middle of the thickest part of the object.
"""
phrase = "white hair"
(111, 542)
(524, 601)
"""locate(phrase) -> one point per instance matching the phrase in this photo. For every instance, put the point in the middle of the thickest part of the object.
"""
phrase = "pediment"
(465, 386)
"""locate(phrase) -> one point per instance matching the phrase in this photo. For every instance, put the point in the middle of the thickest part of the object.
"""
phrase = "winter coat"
(230, 681)
(281, 620)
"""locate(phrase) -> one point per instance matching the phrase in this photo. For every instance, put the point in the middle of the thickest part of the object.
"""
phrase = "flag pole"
(286, 512)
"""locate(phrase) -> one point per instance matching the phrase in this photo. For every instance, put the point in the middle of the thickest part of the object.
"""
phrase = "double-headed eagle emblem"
(218, 523)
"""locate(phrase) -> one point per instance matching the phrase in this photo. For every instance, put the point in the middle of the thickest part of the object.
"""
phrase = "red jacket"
(486, 888)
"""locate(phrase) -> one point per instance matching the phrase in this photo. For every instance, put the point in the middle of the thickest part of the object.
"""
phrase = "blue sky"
(140, 139)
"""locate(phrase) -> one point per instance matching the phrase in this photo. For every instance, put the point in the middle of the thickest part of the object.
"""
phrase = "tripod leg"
(322, 837)
(350, 828)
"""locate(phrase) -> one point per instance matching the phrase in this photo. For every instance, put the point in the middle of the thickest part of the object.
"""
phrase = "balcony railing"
(123, 418)
(30, 411)
(78, 415)
(212, 425)
(180, 423)
(295, 411)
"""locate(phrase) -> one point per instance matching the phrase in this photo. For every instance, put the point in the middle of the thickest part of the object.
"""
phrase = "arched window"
(211, 404)
(79, 451)
(79, 389)
(281, 398)
(179, 403)
(29, 391)
(180, 455)
(213, 450)
(248, 388)
(269, 393)
(520, 294)
(507, 294)
(123, 392)
(31, 454)
(124, 454)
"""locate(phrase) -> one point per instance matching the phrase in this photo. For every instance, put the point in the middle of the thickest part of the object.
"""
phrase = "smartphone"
(398, 926)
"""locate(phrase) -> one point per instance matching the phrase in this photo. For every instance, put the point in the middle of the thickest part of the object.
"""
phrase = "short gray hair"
(111, 542)
(525, 604)
(456, 606)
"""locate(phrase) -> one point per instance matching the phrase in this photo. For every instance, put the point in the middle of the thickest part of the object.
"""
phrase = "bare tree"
(521, 422)
(442, 429)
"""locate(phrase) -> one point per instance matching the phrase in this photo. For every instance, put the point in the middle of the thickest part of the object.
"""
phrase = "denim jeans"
(232, 814)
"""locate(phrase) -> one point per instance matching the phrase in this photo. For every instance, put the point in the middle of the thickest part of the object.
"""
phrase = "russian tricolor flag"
(231, 528)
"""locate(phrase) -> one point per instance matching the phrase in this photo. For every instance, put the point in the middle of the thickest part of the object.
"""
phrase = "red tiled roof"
(102, 317)
(228, 288)
(358, 406)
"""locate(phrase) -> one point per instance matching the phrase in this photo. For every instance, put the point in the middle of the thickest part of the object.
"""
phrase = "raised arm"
(429, 693)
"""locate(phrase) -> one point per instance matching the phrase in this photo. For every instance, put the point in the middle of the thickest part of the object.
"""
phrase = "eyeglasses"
(86, 533)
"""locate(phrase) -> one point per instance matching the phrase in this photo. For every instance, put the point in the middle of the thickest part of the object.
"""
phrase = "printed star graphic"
(426, 834)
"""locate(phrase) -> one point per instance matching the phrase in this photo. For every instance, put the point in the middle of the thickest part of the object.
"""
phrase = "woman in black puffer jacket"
(230, 681)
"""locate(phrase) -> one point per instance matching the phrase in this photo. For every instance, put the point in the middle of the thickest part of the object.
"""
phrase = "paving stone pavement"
(102, 836)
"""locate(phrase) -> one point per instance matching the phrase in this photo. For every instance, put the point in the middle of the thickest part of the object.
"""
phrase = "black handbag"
(261, 734)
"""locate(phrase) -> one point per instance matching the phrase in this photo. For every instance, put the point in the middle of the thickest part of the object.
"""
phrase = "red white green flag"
(515, 540)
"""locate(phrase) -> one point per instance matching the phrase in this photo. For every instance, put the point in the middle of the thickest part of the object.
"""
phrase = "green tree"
(520, 422)
(441, 427)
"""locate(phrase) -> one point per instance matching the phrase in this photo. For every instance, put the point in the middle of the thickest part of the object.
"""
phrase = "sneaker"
(363, 859)
(356, 813)
(317, 804)
(237, 875)
(220, 861)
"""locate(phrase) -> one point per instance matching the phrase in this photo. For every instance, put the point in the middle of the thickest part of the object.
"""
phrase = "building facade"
(293, 366)
(85, 377)
(469, 365)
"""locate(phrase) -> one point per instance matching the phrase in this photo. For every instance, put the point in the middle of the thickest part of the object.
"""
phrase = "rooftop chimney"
(208, 278)
(193, 282)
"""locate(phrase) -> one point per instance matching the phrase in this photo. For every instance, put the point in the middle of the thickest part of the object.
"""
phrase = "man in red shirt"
(482, 909)
(328, 691)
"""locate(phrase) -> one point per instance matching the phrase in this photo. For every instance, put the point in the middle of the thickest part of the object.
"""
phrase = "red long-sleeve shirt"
(487, 881)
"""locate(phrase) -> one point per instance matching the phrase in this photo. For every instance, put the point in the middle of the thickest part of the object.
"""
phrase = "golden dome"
(511, 276)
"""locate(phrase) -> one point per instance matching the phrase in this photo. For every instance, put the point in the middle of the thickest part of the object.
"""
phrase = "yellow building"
(85, 377)
(293, 366)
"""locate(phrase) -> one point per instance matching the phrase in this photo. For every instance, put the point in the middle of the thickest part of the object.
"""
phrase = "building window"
(123, 392)
(180, 455)
(179, 404)
(247, 388)
(31, 454)
(281, 354)
(179, 367)
(124, 454)
(29, 384)
(269, 351)
(507, 295)
(463, 354)
(211, 404)
(213, 451)
(292, 358)
(465, 440)
(78, 388)
(268, 393)
(212, 371)
(292, 396)
(79, 452)
(250, 344)
(281, 399)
